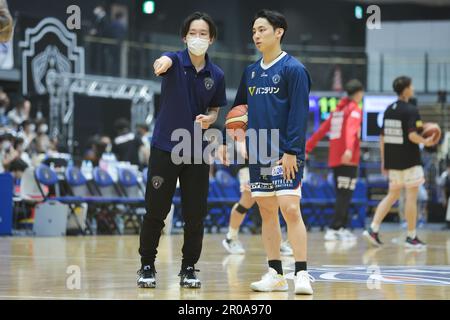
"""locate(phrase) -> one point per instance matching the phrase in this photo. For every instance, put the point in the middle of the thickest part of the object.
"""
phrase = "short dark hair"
(401, 83)
(353, 86)
(121, 124)
(276, 19)
(199, 16)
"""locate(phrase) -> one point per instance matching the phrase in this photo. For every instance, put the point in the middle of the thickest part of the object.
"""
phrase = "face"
(264, 35)
(409, 92)
(198, 29)
(358, 96)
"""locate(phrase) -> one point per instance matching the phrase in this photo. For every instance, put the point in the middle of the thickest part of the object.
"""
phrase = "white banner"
(6, 55)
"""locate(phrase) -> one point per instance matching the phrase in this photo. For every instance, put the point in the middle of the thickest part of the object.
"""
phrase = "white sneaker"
(331, 235)
(285, 249)
(345, 234)
(233, 246)
(302, 283)
(271, 281)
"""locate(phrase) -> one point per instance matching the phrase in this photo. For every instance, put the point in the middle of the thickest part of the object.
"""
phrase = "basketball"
(431, 128)
(236, 121)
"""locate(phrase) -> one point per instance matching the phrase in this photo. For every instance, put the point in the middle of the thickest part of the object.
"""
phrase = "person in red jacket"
(344, 128)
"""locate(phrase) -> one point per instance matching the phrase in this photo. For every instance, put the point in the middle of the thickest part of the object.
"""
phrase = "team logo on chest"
(157, 181)
(276, 79)
(209, 83)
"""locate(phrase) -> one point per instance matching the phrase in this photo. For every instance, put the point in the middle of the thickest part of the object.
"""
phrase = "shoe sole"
(417, 247)
(304, 292)
(370, 240)
(146, 285)
(225, 245)
(191, 286)
(269, 290)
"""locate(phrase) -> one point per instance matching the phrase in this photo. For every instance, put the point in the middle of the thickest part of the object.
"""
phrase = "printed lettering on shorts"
(336, 125)
(393, 133)
(346, 183)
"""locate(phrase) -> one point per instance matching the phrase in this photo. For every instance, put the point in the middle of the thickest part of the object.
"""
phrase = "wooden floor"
(40, 268)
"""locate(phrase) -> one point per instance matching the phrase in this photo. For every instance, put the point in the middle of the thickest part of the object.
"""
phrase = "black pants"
(161, 185)
(345, 182)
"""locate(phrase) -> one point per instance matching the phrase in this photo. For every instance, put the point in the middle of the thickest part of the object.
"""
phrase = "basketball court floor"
(104, 267)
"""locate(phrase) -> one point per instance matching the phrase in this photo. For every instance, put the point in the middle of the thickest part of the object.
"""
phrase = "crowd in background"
(25, 141)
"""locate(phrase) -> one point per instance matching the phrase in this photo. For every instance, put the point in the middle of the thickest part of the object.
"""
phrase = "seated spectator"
(27, 132)
(4, 105)
(126, 145)
(20, 113)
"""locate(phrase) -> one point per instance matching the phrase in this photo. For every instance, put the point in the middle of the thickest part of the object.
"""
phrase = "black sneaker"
(146, 277)
(372, 237)
(415, 243)
(188, 278)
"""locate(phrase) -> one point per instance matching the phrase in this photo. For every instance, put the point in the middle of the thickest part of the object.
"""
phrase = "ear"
(279, 32)
(184, 40)
(211, 41)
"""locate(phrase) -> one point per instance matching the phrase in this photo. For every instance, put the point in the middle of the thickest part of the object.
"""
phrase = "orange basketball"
(430, 128)
(236, 121)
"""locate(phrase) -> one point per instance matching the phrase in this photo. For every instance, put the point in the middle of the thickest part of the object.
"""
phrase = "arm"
(318, 135)
(163, 64)
(6, 22)
(415, 127)
(416, 138)
(353, 127)
(298, 93)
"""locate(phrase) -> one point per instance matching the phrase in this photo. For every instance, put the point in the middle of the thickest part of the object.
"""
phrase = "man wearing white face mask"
(192, 90)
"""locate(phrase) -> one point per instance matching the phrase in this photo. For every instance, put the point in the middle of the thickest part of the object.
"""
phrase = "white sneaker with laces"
(271, 281)
(233, 246)
(285, 249)
(302, 283)
(331, 235)
(345, 234)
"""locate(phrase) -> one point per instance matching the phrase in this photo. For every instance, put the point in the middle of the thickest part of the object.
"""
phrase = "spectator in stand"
(144, 151)
(126, 144)
(4, 105)
(20, 113)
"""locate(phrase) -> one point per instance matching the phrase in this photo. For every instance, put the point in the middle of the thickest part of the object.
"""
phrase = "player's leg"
(345, 181)
(194, 185)
(414, 177)
(288, 194)
(290, 208)
(231, 243)
(161, 185)
(273, 280)
(396, 183)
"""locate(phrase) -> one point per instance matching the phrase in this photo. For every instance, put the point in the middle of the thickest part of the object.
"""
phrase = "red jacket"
(344, 125)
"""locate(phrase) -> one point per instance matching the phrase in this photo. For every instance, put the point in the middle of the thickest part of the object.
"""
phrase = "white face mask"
(197, 46)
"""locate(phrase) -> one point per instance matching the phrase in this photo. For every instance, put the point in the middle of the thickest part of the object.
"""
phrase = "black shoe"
(415, 243)
(146, 277)
(188, 278)
(372, 237)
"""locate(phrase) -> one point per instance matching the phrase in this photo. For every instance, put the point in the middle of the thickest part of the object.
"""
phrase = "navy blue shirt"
(184, 95)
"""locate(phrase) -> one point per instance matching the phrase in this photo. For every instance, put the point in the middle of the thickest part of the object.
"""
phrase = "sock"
(375, 227)
(300, 266)
(412, 233)
(276, 265)
(232, 233)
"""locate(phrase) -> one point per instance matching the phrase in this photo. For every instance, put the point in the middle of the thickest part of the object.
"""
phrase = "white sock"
(375, 227)
(412, 233)
(232, 233)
